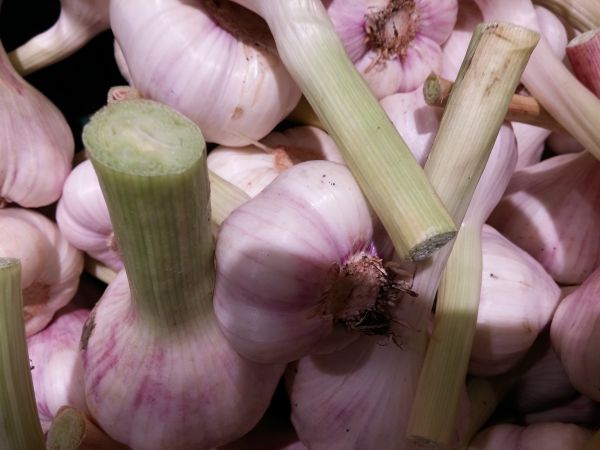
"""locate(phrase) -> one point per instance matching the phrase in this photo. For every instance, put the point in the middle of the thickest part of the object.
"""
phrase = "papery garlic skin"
(547, 436)
(518, 299)
(82, 216)
(580, 410)
(552, 211)
(561, 143)
(78, 22)
(235, 89)
(394, 44)
(279, 253)
(134, 376)
(575, 334)
(57, 371)
(416, 121)
(253, 167)
(36, 143)
(50, 265)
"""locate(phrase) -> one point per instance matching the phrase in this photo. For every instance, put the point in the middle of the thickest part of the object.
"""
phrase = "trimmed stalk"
(19, 422)
(377, 156)
(583, 15)
(522, 108)
(98, 270)
(488, 77)
(548, 79)
(584, 55)
(72, 430)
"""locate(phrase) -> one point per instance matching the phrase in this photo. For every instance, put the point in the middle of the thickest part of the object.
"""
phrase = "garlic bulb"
(253, 167)
(212, 61)
(518, 299)
(79, 21)
(552, 211)
(307, 269)
(83, 218)
(50, 265)
(561, 143)
(547, 436)
(36, 143)
(574, 333)
(57, 372)
(395, 44)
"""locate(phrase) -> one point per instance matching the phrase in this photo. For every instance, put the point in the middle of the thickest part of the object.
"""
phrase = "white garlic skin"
(50, 266)
(176, 390)
(432, 22)
(83, 218)
(176, 54)
(518, 299)
(274, 259)
(57, 372)
(575, 334)
(36, 143)
(552, 211)
(252, 168)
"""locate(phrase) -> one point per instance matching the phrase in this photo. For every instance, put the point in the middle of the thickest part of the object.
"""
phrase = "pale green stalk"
(379, 159)
(19, 422)
(478, 103)
(582, 15)
(151, 164)
(72, 430)
(224, 198)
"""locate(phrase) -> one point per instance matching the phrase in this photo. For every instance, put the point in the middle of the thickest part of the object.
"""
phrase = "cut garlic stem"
(486, 81)
(19, 422)
(377, 156)
(584, 55)
(522, 108)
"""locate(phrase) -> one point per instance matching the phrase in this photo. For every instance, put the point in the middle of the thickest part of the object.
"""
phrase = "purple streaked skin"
(278, 254)
(177, 389)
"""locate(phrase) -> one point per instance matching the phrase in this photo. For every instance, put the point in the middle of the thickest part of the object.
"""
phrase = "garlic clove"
(394, 44)
(574, 332)
(549, 436)
(79, 21)
(50, 265)
(561, 143)
(198, 59)
(36, 143)
(82, 216)
(543, 384)
(253, 167)
(517, 301)
(551, 211)
(57, 371)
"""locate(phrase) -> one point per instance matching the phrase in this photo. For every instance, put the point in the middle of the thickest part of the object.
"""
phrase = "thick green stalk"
(151, 164)
(379, 159)
(478, 103)
(19, 422)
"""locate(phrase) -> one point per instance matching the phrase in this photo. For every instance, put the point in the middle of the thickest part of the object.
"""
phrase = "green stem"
(224, 198)
(151, 164)
(379, 159)
(447, 358)
(479, 100)
(19, 422)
